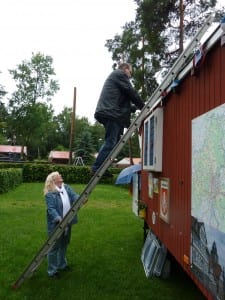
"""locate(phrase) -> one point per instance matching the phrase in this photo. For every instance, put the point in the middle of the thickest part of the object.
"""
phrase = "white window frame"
(153, 141)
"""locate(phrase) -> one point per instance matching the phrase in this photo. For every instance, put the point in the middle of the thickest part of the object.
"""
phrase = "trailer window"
(152, 142)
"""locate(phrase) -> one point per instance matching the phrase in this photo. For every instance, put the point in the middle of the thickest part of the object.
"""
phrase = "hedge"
(37, 172)
(70, 174)
(10, 178)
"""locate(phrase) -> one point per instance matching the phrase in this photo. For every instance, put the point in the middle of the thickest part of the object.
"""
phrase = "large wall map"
(208, 200)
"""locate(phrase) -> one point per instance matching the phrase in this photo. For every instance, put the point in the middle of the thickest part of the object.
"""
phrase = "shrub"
(7, 165)
(37, 172)
(10, 178)
(70, 174)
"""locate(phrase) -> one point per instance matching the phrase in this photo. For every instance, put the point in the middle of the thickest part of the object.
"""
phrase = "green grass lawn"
(104, 251)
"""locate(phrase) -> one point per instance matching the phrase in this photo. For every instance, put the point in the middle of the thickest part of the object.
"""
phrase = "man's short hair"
(124, 65)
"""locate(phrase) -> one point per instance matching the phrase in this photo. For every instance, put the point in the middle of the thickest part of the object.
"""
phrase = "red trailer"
(182, 180)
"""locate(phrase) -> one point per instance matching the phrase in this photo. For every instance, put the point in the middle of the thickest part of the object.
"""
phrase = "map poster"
(208, 200)
(164, 197)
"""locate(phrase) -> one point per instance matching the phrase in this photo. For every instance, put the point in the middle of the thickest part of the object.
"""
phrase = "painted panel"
(208, 200)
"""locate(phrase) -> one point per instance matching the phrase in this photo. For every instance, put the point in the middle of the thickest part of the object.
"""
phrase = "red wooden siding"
(196, 95)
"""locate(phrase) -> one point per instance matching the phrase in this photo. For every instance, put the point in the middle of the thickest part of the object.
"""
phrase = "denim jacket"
(55, 207)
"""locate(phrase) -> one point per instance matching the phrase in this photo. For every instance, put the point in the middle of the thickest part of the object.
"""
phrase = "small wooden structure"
(60, 157)
(11, 152)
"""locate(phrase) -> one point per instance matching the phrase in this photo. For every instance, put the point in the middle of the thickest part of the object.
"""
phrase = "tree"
(3, 123)
(84, 147)
(59, 131)
(2, 91)
(130, 46)
(98, 132)
(3, 116)
(63, 124)
(81, 124)
(131, 148)
(28, 105)
(32, 128)
(156, 38)
(168, 24)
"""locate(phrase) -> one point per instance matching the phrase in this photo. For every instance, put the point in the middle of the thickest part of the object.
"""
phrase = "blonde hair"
(50, 182)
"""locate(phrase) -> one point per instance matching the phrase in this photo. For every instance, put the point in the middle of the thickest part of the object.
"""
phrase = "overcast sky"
(73, 33)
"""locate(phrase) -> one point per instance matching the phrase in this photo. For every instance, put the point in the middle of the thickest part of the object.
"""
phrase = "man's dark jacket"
(116, 99)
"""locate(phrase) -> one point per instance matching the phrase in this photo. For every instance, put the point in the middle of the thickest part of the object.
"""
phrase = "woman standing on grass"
(59, 198)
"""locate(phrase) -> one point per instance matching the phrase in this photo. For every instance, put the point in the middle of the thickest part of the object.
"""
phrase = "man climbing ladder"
(117, 100)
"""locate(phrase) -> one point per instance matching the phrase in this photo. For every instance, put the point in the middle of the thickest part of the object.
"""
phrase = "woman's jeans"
(57, 255)
(113, 132)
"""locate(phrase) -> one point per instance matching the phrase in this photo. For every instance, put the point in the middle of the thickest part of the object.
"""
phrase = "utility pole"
(72, 126)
